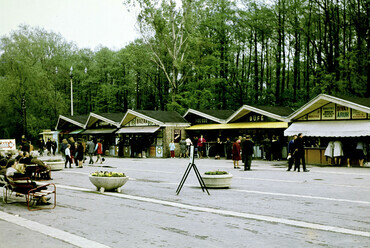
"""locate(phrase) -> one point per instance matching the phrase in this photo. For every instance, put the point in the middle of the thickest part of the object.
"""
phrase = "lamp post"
(71, 75)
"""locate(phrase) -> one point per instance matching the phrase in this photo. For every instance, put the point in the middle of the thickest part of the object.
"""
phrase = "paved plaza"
(265, 207)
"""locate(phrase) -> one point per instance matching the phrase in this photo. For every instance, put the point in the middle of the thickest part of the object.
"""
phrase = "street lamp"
(71, 75)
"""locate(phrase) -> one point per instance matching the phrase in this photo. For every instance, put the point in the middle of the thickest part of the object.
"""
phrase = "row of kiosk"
(148, 133)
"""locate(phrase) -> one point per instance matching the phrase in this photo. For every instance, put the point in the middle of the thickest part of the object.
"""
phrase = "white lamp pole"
(71, 75)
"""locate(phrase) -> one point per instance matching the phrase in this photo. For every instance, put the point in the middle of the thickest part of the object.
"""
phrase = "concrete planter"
(108, 183)
(55, 166)
(217, 181)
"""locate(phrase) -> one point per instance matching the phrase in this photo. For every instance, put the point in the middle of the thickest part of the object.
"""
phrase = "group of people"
(74, 152)
(350, 150)
(198, 143)
(243, 146)
(50, 145)
(296, 153)
(13, 168)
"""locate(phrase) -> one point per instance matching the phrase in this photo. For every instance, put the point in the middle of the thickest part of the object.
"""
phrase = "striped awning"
(240, 125)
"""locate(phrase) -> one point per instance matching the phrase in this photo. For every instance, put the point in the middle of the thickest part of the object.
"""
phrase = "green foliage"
(216, 172)
(207, 54)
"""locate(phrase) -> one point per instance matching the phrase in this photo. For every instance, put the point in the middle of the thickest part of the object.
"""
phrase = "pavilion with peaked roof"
(331, 118)
(258, 121)
(149, 132)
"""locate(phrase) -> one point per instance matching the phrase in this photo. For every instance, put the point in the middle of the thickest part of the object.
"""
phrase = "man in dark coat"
(247, 148)
(299, 153)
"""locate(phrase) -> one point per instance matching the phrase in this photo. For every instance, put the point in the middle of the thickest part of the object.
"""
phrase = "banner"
(7, 144)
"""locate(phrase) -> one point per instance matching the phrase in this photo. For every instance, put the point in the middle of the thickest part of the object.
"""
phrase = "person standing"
(68, 157)
(72, 150)
(172, 149)
(99, 151)
(48, 146)
(236, 154)
(219, 148)
(63, 147)
(79, 155)
(229, 148)
(201, 145)
(291, 153)
(299, 150)
(247, 147)
(182, 148)
(41, 145)
(90, 150)
(54, 146)
(338, 152)
(361, 152)
(329, 152)
(188, 144)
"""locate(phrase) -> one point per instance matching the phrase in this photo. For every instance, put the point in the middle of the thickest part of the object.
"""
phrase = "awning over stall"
(240, 125)
(99, 131)
(145, 129)
(350, 128)
(78, 131)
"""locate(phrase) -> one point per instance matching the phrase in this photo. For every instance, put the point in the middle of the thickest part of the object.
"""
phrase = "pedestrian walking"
(90, 146)
(182, 148)
(247, 147)
(99, 151)
(41, 145)
(63, 147)
(68, 157)
(291, 153)
(188, 144)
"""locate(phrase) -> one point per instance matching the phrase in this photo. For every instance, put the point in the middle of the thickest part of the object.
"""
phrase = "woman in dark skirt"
(236, 154)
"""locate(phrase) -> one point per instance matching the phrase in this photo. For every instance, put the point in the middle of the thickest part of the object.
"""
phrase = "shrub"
(107, 174)
(216, 172)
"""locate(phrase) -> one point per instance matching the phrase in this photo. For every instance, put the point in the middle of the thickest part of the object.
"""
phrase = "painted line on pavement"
(51, 231)
(301, 196)
(305, 181)
(289, 222)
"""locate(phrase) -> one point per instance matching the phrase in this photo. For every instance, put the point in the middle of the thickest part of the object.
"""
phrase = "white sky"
(88, 23)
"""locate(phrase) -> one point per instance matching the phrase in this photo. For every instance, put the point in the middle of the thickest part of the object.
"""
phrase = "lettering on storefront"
(140, 122)
(201, 121)
(343, 112)
(315, 115)
(328, 112)
(356, 114)
(254, 118)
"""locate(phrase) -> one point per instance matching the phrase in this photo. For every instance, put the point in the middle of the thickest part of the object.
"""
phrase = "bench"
(23, 186)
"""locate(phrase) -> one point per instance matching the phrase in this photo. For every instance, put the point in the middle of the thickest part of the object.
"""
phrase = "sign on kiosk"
(7, 144)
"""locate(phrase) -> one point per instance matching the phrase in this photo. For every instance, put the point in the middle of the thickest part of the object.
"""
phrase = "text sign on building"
(7, 144)
(356, 114)
(343, 112)
(315, 115)
(328, 112)
(255, 118)
(140, 122)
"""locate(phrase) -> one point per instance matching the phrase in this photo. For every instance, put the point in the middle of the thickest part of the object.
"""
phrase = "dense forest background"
(204, 54)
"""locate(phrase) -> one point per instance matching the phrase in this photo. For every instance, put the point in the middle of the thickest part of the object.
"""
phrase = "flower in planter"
(216, 172)
(108, 174)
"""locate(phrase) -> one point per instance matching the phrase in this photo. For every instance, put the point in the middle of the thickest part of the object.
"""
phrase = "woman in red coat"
(236, 154)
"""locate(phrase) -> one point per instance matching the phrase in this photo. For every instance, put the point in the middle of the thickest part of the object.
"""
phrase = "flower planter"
(55, 165)
(108, 183)
(217, 181)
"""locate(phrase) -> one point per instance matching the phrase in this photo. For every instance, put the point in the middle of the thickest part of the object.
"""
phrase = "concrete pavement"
(265, 207)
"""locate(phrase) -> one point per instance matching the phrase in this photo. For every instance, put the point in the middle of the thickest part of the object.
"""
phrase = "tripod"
(187, 171)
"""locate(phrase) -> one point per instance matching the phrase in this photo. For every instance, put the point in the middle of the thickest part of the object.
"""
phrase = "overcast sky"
(88, 23)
